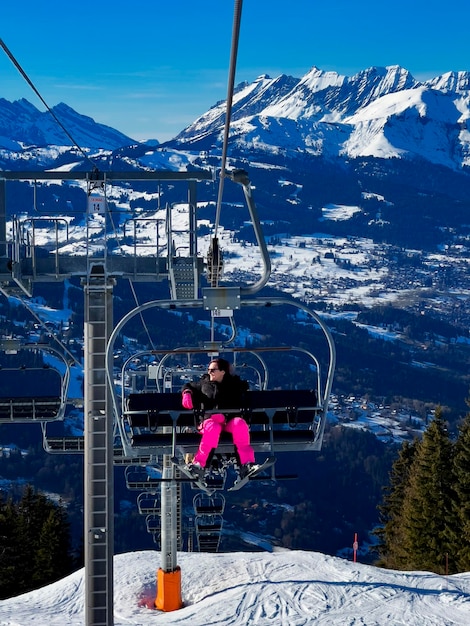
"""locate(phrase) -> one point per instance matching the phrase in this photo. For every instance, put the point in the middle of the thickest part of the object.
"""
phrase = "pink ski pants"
(211, 429)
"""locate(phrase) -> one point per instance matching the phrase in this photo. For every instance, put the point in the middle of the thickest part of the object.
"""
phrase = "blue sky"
(151, 67)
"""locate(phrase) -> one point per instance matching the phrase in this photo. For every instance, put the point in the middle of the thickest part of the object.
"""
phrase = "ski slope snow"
(283, 588)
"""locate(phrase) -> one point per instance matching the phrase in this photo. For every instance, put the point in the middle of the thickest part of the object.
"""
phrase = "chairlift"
(154, 423)
(208, 532)
(138, 478)
(279, 419)
(153, 523)
(148, 503)
(32, 393)
(205, 504)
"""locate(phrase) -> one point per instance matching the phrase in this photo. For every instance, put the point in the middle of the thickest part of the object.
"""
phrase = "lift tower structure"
(20, 267)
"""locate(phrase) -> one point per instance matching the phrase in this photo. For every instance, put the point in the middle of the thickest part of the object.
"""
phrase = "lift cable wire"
(231, 82)
(43, 324)
(30, 83)
(131, 284)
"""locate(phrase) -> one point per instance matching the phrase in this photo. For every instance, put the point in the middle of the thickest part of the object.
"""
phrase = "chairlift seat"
(30, 394)
(280, 420)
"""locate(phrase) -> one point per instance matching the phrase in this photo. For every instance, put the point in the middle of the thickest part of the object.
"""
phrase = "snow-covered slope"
(235, 589)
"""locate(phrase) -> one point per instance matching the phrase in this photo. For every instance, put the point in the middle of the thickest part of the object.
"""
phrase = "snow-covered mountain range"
(23, 126)
(379, 112)
(382, 141)
(378, 157)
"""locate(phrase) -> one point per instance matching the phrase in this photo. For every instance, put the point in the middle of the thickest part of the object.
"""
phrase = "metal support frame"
(169, 575)
(169, 517)
(98, 471)
(17, 273)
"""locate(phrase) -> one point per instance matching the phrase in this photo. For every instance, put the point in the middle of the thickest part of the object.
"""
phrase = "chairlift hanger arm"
(241, 177)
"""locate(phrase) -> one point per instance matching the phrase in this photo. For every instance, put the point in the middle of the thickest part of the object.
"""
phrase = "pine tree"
(52, 556)
(8, 549)
(427, 502)
(31, 511)
(390, 546)
(460, 529)
(34, 543)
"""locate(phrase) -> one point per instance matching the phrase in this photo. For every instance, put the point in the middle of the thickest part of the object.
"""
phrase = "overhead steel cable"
(47, 329)
(131, 283)
(231, 82)
(30, 83)
(214, 259)
(87, 157)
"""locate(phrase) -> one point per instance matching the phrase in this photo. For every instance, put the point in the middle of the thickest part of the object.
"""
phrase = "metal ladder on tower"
(98, 419)
(183, 269)
(98, 439)
(183, 277)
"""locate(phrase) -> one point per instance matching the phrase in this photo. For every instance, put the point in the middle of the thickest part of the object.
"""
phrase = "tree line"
(425, 513)
(34, 543)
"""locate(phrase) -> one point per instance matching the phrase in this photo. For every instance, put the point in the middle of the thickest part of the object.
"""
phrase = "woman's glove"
(187, 400)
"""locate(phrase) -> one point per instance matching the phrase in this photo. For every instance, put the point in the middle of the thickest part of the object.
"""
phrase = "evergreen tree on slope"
(460, 530)
(34, 543)
(427, 502)
(52, 559)
(390, 534)
(9, 559)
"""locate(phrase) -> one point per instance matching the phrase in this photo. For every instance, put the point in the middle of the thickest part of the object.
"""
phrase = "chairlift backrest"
(30, 382)
(31, 394)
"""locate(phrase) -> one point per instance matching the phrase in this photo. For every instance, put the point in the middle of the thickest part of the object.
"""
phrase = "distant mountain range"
(379, 112)
(23, 126)
(382, 141)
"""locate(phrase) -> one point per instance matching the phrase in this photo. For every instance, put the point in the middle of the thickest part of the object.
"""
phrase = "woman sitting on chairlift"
(217, 390)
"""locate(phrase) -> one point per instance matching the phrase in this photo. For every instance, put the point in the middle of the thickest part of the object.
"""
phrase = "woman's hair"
(223, 365)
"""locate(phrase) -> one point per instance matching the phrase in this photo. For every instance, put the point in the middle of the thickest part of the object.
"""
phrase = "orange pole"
(169, 590)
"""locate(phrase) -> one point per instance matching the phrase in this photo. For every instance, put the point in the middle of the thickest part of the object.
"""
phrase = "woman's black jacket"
(228, 394)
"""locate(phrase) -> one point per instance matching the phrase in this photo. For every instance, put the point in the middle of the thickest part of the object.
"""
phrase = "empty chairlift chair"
(31, 394)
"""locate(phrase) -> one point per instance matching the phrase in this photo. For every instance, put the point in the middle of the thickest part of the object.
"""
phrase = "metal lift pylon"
(98, 435)
(169, 597)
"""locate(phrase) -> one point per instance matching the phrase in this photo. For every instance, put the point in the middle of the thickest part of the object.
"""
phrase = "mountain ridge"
(22, 126)
(335, 140)
(378, 113)
(325, 114)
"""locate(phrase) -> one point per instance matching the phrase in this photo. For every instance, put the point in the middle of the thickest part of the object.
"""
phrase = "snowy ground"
(238, 589)
(301, 265)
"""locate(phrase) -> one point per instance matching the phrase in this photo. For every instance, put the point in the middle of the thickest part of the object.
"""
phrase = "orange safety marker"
(169, 590)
